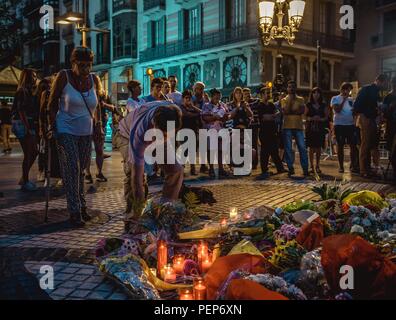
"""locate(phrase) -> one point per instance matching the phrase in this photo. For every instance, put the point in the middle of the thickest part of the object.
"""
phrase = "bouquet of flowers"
(287, 255)
(279, 285)
(287, 232)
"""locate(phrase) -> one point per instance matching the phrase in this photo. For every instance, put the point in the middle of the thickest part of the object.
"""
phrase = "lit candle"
(169, 274)
(233, 214)
(223, 223)
(178, 264)
(186, 294)
(162, 255)
(206, 264)
(199, 289)
(202, 252)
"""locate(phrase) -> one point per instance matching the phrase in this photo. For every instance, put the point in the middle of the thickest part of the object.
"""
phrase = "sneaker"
(341, 170)
(89, 179)
(291, 173)
(223, 174)
(29, 186)
(263, 176)
(41, 176)
(106, 156)
(101, 178)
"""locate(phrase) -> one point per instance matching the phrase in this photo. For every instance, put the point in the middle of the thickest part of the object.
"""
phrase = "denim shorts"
(19, 129)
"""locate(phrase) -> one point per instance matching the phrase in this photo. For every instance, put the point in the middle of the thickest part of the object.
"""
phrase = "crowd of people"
(57, 121)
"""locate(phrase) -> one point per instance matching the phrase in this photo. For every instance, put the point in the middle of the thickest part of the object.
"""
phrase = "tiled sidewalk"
(27, 243)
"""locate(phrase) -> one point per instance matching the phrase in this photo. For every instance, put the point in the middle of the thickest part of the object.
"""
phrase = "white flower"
(357, 229)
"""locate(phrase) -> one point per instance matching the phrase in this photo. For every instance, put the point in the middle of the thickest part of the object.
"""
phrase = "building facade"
(214, 41)
(375, 40)
(217, 42)
(40, 46)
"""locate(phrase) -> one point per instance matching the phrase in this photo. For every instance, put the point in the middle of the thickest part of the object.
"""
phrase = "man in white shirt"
(175, 95)
(344, 127)
(135, 91)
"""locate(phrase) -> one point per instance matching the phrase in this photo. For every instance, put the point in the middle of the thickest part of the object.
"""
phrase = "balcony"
(33, 35)
(154, 6)
(330, 42)
(101, 17)
(239, 34)
(202, 42)
(383, 40)
(51, 35)
(32, 6)
(119, 5)
(102, 59)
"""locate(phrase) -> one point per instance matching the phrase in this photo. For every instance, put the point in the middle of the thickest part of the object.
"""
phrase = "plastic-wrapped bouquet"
(287, 255)
(312, 279)
(171, 217)
(279, 285)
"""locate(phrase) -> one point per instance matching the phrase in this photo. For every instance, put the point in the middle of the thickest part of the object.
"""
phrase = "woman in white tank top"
(73, 104)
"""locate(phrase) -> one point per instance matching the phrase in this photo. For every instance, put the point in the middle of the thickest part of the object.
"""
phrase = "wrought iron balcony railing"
(150, 4)
(310, 38)
(239, 34)
(383, 40)
(119, 5)
(102, 16)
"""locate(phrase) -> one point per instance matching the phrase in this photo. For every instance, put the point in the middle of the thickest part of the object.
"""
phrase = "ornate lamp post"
(294, 10)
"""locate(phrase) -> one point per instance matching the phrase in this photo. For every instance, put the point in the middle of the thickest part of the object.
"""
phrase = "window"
(102, 48)
(156, 32)
(192, 22)
(124, 36)
(327, 18)
(235, 12)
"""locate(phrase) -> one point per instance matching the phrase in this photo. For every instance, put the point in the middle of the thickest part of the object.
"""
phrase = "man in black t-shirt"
(267, 114)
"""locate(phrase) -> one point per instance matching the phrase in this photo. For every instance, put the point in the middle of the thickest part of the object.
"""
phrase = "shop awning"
(10, 76)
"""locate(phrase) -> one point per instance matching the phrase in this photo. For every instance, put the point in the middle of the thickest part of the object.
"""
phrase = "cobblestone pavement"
(27, 243)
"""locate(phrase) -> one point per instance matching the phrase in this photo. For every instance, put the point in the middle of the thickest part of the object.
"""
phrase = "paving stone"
(71, 284)
(63, 291)
(99, 295)
(80, 293)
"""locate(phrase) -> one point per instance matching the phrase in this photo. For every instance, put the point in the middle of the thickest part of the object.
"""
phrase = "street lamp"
(78, 20)
(295, 12)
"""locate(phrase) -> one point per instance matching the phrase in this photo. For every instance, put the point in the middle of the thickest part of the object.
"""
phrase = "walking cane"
(47, 179)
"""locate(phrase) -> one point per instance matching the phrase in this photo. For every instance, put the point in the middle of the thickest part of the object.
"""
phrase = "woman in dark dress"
(25, 124)
(315, 131)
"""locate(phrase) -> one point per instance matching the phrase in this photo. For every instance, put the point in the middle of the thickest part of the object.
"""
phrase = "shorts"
(346, 135)
(19, 129)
